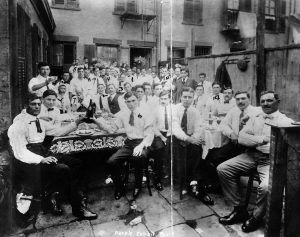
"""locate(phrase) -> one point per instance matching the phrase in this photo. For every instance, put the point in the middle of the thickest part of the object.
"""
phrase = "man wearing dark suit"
(184, 81)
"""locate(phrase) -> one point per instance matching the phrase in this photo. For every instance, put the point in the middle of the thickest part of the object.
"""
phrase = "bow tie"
(50, 109)
(226, 102)
(217, 97)
(268, 116)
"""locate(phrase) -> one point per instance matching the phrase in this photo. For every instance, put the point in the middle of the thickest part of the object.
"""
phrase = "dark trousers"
(161, 154)
(116, 162)
(64, 177)
(217, 156)
(188, 162)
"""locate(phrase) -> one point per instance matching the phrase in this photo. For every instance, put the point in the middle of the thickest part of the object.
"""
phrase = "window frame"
(203, 46)
(66, 5)
(279, 16)
(173, 49)
(63, 43)
(110, 46)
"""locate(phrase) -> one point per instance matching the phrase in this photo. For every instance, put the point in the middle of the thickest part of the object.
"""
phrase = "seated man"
(187, 144)
(49, 110)
(113, 99)
(138, 127)
(230, 127)
(256, 137)
(161, 146)
(99, 98)
(223, 107)
(42, 171)
(63, 100)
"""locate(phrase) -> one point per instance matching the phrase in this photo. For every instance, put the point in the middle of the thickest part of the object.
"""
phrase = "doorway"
(140, 57)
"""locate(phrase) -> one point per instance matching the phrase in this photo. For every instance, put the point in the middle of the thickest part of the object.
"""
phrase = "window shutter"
(198, 9)
(282, 16)
(188, 11)
(131, 6)
(89, 51)
(119, 6)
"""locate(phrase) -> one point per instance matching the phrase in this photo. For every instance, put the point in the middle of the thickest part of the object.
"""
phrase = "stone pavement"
(160, 218)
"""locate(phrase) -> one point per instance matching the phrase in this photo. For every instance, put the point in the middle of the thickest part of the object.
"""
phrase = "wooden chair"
(253, 176)
(128, 169)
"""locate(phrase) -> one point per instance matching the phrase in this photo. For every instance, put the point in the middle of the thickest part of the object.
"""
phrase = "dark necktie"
(100, 102)
(131, 119)
(184, 121)
(241, 125)
(37, 124)
(166, 119)
(226, 102)
(50, 109)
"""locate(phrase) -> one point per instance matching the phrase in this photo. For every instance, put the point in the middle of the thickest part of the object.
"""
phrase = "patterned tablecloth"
(78, 143)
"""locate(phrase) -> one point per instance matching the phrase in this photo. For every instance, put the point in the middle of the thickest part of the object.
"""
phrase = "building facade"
(107, 30)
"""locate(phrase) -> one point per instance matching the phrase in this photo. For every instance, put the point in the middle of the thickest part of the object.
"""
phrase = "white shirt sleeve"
(18, 142)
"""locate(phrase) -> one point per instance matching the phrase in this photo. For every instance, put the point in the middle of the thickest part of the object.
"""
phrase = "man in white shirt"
(161, 146)
(188, 138)
(130, 77)
(49, 110)
(138, 126)
(100, 98)
(79, 86)
(207, 85)
(42, 82)
(155, 99)
(114, 100)
(223, 107)
(214, 100)
(63, 100)
(73, 70)
(230, 127)
(200, 100)
(40, 169)
(256, 137)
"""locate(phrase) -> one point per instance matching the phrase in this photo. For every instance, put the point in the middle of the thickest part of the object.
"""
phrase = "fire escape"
(231, 30)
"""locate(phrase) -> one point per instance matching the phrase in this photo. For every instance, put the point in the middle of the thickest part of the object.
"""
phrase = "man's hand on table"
(137, 151)
(49, 160)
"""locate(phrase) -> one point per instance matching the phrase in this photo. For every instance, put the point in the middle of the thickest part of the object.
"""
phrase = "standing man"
(215, 99)
(41, 170)
(138, 127)
(184, 81)
(187, 145)
(255, 136)
(207, 85)
(42, 82)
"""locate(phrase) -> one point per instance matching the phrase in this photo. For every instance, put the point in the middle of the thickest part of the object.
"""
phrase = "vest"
(114, 104)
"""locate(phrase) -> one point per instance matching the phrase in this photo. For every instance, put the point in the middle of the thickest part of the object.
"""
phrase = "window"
(66, 4)
(202, 50)
(64, 53)
(107, 53)
(192, 12)
(122, 6)
(275, 11)
(176, 53)
(245, 5)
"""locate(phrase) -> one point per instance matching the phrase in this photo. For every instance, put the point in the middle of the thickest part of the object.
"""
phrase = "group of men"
(152, 112)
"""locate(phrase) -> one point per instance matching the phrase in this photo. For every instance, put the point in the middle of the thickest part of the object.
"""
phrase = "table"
(73, 143)
(284, 182)
(213, 138)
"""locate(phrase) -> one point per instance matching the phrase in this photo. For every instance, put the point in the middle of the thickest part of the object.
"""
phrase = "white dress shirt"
(96, 100)
(92, 83)
(143, 125)
(159, 119)
(256, 130)
(223, 108)
(54, 114)
(231, 122)
(79, 86)
(63, 102)
(207, 85)
(24, 131)
(200, 103)
(38, 80)
(211, 103)
(194, 122)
